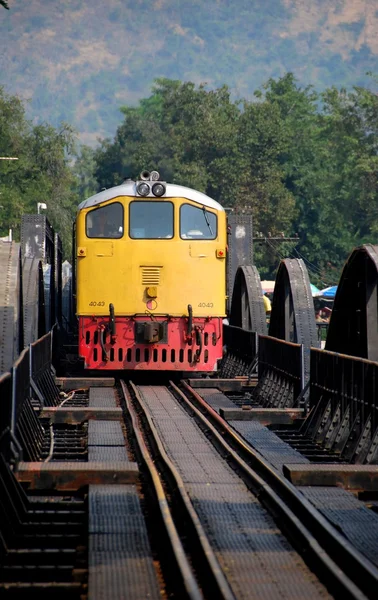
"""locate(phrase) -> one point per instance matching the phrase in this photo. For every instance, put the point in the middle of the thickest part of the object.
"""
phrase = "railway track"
(229, 533)
(197, 573)
(201, 515)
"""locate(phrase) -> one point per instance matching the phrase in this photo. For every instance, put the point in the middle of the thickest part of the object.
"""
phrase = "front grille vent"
(151, 275)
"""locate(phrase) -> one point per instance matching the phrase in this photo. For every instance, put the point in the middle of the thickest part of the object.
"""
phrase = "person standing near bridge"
(267, 304)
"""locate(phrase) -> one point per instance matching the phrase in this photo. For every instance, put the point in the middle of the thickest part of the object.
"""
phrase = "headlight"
(158, 189)
(143, 189)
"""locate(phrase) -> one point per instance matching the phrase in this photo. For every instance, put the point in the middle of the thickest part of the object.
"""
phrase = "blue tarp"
(329, 292)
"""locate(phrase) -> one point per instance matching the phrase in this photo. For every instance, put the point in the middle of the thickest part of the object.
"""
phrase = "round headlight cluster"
(158, 189)
(143, 189)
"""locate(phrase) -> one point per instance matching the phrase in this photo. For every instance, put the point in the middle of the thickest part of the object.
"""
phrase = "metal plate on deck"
(267, 443)
(119, 558)
(107, 453)
(215, 398)
(105, 433)
(102, 397)
(349, 515)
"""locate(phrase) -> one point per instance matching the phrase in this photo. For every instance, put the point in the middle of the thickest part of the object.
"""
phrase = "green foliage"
(202, 139)
(301, 162)
(41, 173)
(4, 3)
(83, 170)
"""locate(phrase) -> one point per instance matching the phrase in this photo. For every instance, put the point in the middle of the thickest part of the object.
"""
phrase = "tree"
(307, 175)
(4, 3)
(41, 173)
(202, 139)
(83, 170)
(303, 163)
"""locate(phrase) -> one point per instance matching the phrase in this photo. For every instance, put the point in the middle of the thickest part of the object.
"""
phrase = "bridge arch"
(353, 327)
(247, 307)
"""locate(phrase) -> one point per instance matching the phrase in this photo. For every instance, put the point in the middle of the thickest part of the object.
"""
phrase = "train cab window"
(151, 220)
(197, 223)
(105, 222)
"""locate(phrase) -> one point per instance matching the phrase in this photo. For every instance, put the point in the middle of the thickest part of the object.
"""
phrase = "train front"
(151, 278)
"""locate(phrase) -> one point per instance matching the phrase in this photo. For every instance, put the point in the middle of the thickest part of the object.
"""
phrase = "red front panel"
(128, 350)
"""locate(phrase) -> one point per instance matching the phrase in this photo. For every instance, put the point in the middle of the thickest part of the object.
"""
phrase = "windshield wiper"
(207, 220)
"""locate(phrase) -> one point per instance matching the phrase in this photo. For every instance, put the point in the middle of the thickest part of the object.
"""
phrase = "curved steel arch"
(293, 315)
(11, 304)
(34, 300)
(247, 306)
(353, 328)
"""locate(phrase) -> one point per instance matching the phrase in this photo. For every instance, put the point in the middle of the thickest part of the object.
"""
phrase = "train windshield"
(197, 223)
(151, 220)
(106, 221)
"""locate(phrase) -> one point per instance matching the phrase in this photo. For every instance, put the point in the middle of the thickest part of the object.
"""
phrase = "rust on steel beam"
(265, 416)
(350, 477)
(224, 385)
(74, 383)
(76, 415)
(71, 476)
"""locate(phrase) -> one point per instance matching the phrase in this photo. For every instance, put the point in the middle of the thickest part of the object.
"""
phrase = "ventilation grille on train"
(147, 355)
(151, 275)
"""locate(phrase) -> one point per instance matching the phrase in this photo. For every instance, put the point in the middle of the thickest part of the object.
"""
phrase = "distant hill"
(80, 60)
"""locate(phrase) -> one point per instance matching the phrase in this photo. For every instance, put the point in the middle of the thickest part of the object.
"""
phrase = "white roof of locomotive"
(172, 191)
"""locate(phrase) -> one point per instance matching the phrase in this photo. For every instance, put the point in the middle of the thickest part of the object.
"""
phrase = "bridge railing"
(241, 357)
(280, 373)
(5, 413)
(343, 406)
(21, 390)
(343, 411)
(278, 364)
(28, 386)
(41, 376)
(340, 396)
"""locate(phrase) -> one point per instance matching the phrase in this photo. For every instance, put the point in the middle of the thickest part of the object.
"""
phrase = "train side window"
(197, 223)
(105, 222)
(151, 220)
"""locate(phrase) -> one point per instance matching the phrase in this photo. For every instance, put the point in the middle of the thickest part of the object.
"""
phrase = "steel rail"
(339, 565)
(204, 553)
(183, 567)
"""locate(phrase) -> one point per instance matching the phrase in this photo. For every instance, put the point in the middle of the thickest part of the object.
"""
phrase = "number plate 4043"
(206, 305)
(100, 303)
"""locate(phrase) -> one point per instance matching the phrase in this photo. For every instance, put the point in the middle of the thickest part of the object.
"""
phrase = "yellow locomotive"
(150, 277)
